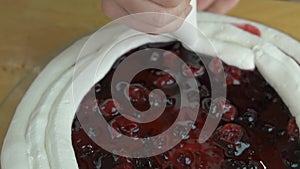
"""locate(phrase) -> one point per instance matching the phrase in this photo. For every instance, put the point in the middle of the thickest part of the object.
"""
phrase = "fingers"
(167, 3)
(204, 4)
(163, 15)
(216, 6)
(175, 24)
(166, 15)
(139, 6)
(112, 9)
(138, 24)
(222, 6)
(159, 19)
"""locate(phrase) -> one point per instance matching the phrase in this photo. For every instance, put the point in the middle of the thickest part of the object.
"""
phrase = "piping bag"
(191, 35)
(188, 32)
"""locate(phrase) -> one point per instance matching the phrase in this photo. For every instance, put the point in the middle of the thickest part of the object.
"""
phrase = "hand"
(216, 6)
(157, 22)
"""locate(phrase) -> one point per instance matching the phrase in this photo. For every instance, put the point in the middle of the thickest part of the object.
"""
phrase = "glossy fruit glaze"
(257, 130)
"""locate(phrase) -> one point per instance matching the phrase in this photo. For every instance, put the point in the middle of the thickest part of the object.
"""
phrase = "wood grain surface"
(30, 30)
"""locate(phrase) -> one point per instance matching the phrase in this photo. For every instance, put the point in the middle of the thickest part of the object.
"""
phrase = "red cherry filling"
(125, 126)
(235, 164)
(192, 71)
(230, 133)
(292, 129)
(138, 95)
(109, 108)
(195, 155)
(249, 28)
(163, 79)
(183, 158)
(229, 113)
(256, 131)
(233, 75)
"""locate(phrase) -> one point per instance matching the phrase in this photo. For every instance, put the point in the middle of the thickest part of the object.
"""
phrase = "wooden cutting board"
(31, 29)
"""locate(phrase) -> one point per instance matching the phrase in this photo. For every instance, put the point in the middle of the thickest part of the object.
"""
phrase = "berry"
(125, 126)
(249, 117)
(138, 96)
(183, 158)
(195, 155)
(233, 75)
(229, 113)
(163, 80)
(292, 129)
(109, 108)
(191, 71)
(230, 133)
(237, 164)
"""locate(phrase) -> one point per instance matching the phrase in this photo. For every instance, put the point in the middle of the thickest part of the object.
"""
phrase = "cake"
(43, 134)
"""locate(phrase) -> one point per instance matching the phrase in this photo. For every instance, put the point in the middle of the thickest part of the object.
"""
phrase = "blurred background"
(33, 31)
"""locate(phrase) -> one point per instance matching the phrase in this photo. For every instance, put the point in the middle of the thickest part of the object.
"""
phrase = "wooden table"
(32, 29)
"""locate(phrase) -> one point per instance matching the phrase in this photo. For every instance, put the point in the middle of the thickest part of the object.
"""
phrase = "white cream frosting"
(39, 136)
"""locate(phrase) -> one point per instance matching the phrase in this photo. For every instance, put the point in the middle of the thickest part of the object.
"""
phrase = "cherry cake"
(256, 131)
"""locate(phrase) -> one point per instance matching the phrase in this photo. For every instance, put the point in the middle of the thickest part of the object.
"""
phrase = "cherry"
(249, 28)
(230, 133)
(293, 159)
(233, 75)
(87, 150)
(249, 117)
(238, 164)
(229, 113)
(183, 159)
(292, 129)
(195, 155)
(138, 95)
(109, 108)
(163, 79)
(103, 160)
(203, 90)
(192, 71)
(125, 126)
(254, 165)
(206, 103)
